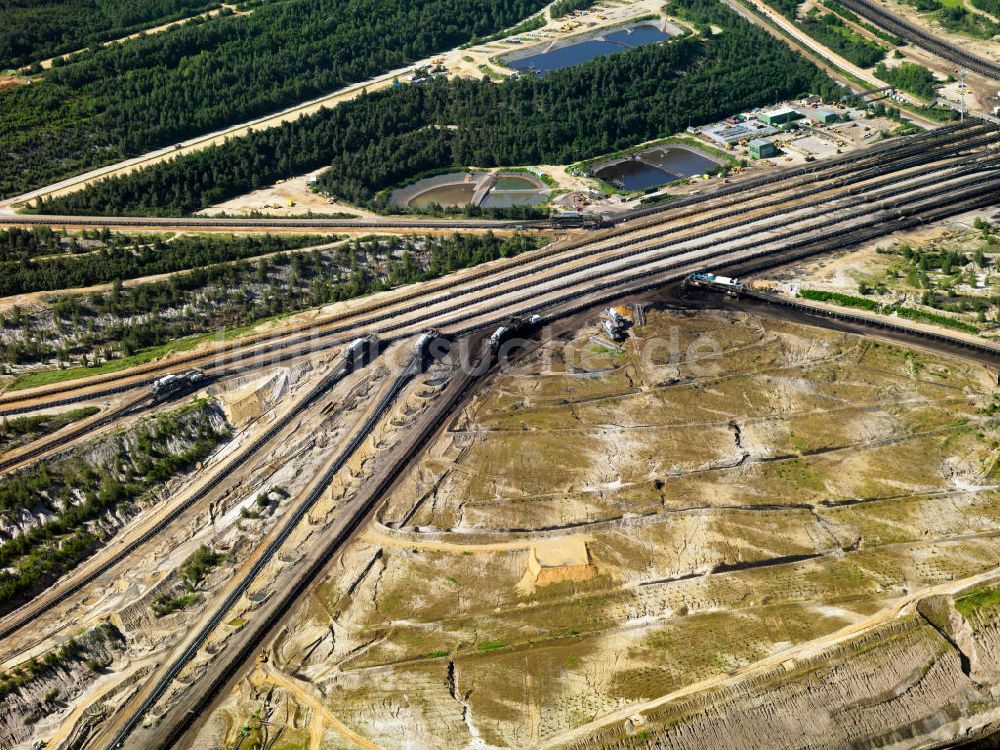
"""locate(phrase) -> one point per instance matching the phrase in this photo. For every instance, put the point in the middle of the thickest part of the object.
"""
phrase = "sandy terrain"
(878, 266)
(293, 197)
(768, 492)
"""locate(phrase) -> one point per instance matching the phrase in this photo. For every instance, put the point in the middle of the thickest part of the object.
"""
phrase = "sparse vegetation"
(75, 650)
(64, 497)
(199, 565)
(121, 256)
(846, 300)
(106, 331)
(17, 431)
(977, 599)
(164, 604)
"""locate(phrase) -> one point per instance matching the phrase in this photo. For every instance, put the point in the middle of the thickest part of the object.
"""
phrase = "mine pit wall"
(902, 684)
(137, 615)
(69, 679)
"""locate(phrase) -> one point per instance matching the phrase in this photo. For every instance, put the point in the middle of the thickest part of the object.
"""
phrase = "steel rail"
(921, 158)
(933, 44)
(17, 619)
(266, 555)
(968, 197)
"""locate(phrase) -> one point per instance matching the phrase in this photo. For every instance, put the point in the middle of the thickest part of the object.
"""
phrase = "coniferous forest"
(128, 99)
(386, 137)
(33, 30)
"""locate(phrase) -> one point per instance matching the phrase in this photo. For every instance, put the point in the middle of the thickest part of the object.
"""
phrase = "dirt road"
(267, 675)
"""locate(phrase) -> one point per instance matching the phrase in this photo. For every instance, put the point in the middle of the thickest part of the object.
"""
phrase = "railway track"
(878, 177)
(263, 225)
(904, 155)
(43, 446)
(644, 260)
(908, 211)
(884, 323)
(267, 554)
(912, 33)
(27, 614)
(878, 183)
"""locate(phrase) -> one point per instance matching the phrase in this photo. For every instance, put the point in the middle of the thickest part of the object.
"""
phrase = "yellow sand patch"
(556, 560)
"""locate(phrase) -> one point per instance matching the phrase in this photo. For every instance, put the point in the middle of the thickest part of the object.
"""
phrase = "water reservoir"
(445, 196)
(564, 56)
(653, 167)
(515, 190)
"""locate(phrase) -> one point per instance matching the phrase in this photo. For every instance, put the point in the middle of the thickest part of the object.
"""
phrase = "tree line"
(122, 257)
(384, 138)
(33, 30)
(831, 31)
(88, 328)
(156, 90)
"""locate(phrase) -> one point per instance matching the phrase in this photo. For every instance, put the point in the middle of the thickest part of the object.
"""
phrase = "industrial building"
(761, 148)
(727, 133)
(781, 116)
(824, 116)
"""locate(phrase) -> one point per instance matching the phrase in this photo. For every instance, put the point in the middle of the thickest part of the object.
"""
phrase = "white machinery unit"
(176, 382)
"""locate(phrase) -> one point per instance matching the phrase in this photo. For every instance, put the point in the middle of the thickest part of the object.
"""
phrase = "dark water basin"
(654, 167)
(581, 52)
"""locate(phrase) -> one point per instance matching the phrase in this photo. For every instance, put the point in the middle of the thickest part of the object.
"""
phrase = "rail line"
(925, 211)
(871, 322)
(37, 448)
(649, 271)
(939, 136)
(971, 197)
(912, 33)
(622, 250)
(655, 254)
(572, 289)
(921, 153)
(267, 554)
(308, 341)
(265, 224)
(17, 619)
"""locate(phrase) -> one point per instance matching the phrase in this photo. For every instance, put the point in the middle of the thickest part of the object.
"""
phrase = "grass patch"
(920, 316)
(845, 300)
(978, 598)
(941, 320)
(494, 75)
(489, 646)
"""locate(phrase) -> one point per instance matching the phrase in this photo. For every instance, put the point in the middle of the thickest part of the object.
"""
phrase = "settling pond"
(476, 188)
(555, 56)
(655, 166)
